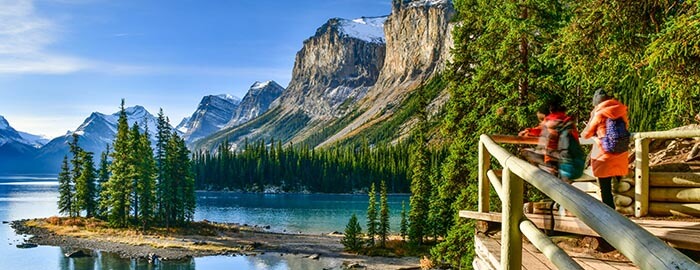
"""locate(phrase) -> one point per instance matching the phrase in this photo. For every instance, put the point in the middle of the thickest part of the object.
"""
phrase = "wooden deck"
(678, 234)
(488, 257)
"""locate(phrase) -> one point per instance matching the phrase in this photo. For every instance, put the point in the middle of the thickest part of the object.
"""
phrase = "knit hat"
(599, 96)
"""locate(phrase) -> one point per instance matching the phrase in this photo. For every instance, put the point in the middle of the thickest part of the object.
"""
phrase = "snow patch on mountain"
(421, 3)
(34, 140)
(182, 127)
(370, 29)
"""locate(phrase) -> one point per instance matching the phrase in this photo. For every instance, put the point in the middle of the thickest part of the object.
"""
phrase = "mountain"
(14, 149)
(332, 71)
(35, 140)
(94, 134)
(182, 127)
(256, 102)
(418, 42)
(212, 114)
(8, 134)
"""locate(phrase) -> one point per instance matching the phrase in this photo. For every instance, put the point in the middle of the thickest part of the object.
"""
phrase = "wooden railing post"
(484, 184)
(641, 176)
(512, 244)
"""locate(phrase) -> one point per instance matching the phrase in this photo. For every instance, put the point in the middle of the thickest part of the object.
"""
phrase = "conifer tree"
(372, 215)
(118, 188)
(65, 192)
(147, 182)
(102, 178)
(77, 163)
(420, 185)
(404, 221)
(352, 240)
(135, 168)
(163, 135)
(85, 191)
(383, 229)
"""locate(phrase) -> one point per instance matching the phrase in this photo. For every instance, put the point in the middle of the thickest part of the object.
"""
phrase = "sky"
(61, 60)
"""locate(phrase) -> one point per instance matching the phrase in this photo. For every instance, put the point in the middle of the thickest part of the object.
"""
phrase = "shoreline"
(200, 240)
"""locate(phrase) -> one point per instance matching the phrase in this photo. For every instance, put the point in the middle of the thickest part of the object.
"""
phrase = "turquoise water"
(35, 196)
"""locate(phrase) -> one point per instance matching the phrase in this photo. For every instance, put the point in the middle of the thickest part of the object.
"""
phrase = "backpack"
(572, 159)
(617, 137)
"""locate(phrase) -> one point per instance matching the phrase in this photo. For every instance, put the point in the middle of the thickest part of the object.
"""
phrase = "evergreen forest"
(131, 186)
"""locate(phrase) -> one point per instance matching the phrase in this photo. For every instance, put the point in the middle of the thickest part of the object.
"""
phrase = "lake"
(35, 196)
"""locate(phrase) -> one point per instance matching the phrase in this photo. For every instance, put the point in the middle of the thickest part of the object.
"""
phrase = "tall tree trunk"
(524, 82)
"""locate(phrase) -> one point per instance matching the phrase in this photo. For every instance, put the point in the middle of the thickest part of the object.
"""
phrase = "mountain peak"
(3, 123)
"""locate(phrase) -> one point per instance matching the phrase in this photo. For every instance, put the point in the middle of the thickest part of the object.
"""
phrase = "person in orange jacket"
(606, 165)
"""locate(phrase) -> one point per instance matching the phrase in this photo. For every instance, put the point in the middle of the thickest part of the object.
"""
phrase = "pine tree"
(135, 168)
(352, 240)
(372, 215)
(147, 182)
(102, 178)
(163, 135)
(420, 186)
(404, 221)
(383, 229)
(85, 192)
(77, 163)
(118, 188)
(65, 192)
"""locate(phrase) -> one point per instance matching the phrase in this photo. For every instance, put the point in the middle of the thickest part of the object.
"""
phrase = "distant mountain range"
(351, 79)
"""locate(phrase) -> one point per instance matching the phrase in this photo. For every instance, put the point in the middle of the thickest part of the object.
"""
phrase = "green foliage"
(146, 179)
(420, 182)
(383, 228)
(265, 164)
(65, 190)
(372, 215)
(85, 190)
(352, 241)
(102, 178)
(117, 193)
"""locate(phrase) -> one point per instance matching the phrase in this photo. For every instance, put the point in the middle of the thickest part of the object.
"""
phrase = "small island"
(203, 238)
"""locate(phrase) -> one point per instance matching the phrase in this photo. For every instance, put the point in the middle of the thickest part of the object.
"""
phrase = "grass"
(156, 237)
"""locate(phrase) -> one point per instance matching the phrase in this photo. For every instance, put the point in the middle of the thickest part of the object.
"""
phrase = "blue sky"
(60, 60)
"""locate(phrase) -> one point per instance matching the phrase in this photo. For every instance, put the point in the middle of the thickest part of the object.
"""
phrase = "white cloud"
(24, 38)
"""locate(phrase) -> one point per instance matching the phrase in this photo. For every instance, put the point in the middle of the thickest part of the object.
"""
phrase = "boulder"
(27, 245)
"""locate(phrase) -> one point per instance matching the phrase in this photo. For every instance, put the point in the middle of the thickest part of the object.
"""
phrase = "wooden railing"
(641, 164)
(642, 248)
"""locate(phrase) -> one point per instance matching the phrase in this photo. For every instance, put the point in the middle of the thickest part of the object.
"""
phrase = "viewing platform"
(640, 230)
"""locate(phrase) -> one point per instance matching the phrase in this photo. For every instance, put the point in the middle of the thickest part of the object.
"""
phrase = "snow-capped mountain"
(256, 102)
(94, 134)
(212, 114)
(182, 127)
(8, 135)
(14, 149)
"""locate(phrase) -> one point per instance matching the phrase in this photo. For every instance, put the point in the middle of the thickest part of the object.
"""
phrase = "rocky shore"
(197, 240)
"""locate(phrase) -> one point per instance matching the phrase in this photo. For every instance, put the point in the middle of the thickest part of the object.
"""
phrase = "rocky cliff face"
(332, 71)
(212, 114)
(418, 42)
(340, 62)
(256, 102)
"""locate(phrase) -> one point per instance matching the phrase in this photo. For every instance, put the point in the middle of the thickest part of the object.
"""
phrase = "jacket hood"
(612, 108)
